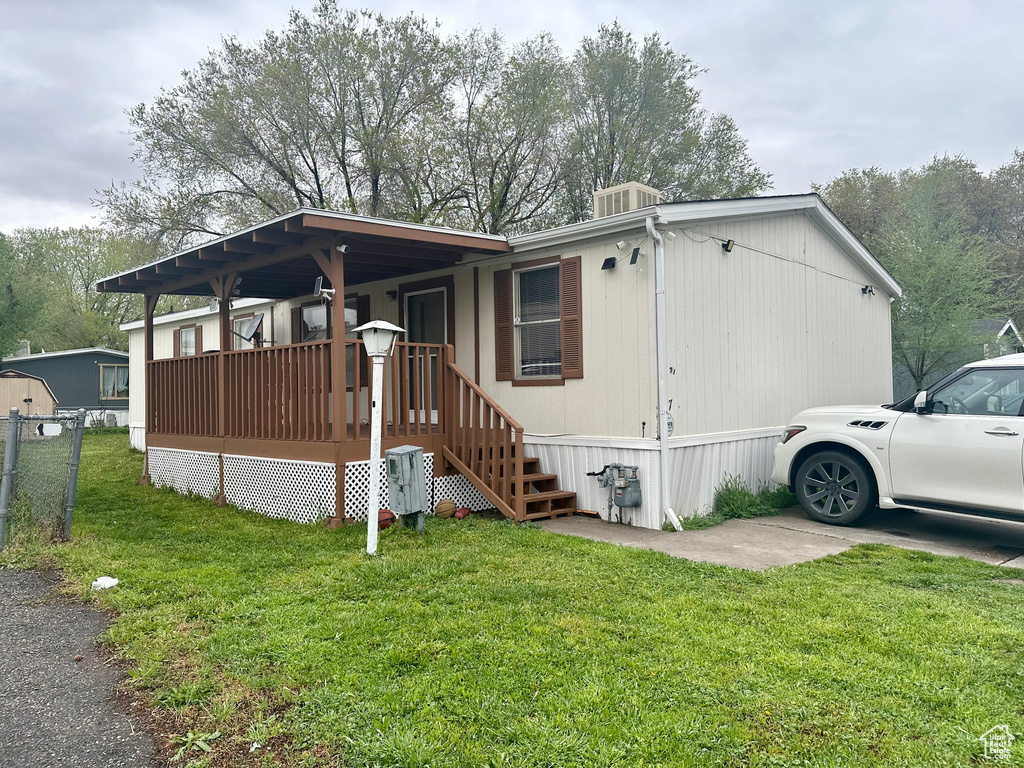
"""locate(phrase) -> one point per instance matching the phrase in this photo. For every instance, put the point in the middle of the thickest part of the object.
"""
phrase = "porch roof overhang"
(277, 259)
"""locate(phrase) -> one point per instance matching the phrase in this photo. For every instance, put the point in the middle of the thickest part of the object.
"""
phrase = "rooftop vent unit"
(624, 197)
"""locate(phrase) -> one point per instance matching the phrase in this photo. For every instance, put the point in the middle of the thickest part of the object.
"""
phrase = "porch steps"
(541, 492)
(543, 498)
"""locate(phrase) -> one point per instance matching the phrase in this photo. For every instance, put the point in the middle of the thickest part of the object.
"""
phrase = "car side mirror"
(921, 402)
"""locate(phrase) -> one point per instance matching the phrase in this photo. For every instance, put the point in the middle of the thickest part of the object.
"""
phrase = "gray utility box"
(407, 484)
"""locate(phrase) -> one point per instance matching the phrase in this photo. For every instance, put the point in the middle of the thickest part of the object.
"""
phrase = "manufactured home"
(676, 338)
(94, 379)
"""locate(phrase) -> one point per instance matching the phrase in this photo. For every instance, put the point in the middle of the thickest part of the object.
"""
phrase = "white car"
(956, 447)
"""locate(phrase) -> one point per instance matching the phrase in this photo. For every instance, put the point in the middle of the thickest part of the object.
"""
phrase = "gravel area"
(57, 708)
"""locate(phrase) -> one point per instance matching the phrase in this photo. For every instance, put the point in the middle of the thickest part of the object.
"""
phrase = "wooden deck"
(278, 402)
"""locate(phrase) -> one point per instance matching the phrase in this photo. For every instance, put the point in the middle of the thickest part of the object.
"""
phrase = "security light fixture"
(868, 290)
(319, 290)
(727, 246)
(670, 234)
(634, 255)
(609, 263)
(392, 295)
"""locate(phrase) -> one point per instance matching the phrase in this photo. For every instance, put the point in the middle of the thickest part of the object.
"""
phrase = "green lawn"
(487, 644)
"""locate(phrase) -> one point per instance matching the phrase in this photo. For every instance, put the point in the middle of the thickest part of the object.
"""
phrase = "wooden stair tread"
(536, 476)
(552, 514)
(548, 496)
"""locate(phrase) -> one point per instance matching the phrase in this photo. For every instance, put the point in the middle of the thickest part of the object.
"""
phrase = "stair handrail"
(477, 388)
(515, 502)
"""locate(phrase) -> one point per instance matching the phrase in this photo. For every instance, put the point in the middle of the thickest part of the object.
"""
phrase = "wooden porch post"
(333, 266)
(222, 287)
(147, 320)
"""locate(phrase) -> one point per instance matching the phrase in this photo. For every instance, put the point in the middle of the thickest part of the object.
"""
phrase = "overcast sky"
(816, 87)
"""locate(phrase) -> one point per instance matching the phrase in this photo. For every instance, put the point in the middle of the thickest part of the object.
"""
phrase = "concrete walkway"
(792, 537)
(57, 708)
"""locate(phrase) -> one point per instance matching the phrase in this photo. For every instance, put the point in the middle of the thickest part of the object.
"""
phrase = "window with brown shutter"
(538, 322)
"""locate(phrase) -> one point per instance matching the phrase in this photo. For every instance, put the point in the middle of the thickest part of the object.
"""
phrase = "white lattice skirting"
(190, 472)
(302, 491)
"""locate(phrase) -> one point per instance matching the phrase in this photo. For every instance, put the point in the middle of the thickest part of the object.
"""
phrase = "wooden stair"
(541, 492)
(485, 444)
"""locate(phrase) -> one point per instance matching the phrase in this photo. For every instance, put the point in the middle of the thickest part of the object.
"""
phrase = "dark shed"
(94, 378)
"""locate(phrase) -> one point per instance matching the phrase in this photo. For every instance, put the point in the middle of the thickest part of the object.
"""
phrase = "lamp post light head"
(379, 337)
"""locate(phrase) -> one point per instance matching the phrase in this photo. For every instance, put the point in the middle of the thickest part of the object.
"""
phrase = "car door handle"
(1002, 432)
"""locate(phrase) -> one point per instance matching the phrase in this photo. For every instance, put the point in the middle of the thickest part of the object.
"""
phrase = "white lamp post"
(379, 338)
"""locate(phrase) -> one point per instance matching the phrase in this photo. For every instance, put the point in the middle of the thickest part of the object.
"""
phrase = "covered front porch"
(283, 403)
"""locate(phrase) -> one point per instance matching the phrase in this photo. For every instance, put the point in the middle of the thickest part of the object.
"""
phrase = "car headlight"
(791, 432)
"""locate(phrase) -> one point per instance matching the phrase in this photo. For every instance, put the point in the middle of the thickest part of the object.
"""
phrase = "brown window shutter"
(504, 342)
(199, 339)
(363, 317)
(296, 325)
(177, 343)
(572, 318)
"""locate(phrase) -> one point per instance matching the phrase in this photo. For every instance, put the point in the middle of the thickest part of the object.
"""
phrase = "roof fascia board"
(843, 237)
(302, 212)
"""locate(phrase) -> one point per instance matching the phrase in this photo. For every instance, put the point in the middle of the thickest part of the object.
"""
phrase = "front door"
(427, 314)
(968, 450)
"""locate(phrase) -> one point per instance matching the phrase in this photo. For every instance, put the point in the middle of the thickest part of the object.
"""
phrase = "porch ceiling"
(275, 259)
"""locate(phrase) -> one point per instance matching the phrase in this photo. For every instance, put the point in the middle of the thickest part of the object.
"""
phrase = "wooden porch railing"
(181, 395)
(284, 393)
(483, 442)
(279, 393)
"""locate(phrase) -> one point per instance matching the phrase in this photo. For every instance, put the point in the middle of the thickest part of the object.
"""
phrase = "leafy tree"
(358, 112)
(510, 137)
(19, 304)
(929, 228)
(54, 282)
(636, 116)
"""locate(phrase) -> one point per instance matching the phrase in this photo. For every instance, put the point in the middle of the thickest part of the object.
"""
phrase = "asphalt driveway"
(792, 537)
(57, 708)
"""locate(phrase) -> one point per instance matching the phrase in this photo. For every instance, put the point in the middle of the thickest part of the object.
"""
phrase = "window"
(995, 391)
(315, 325)
(188, 341)
(312, 322)
(537, 322)
(113, 382)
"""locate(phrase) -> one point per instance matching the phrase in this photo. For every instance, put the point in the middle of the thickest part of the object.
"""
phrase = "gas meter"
(407, 485)
(623, 486)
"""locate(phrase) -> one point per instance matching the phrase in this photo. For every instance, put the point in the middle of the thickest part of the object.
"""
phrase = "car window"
(982, 391)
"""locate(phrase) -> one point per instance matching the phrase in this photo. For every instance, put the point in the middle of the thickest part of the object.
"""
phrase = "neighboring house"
(95, 379)
(528, 361)
(996, 336)
(29, 394)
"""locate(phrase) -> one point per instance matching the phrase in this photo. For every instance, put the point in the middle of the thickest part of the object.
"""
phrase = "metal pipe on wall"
(661, 344)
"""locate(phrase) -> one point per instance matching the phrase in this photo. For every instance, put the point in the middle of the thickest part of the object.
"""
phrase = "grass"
(733, 499)
(488, 644)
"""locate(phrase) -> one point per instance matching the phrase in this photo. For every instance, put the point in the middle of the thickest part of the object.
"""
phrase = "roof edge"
(65, 353)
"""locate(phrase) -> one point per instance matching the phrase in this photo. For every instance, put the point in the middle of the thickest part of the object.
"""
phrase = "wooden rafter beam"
(277, 237)
(282, 253)
(242, 245)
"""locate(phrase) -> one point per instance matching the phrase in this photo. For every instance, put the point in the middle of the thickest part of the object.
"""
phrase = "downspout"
(661, 345)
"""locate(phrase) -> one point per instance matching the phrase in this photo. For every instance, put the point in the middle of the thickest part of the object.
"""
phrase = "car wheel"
(835, 488)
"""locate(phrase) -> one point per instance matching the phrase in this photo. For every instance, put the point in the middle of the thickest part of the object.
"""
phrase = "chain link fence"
(41, 458)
